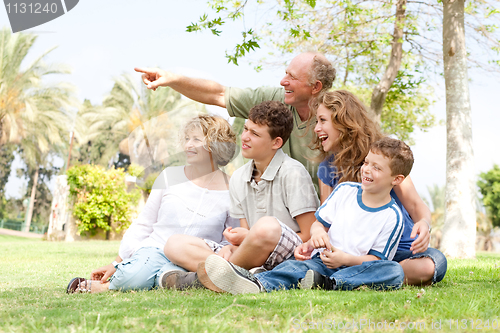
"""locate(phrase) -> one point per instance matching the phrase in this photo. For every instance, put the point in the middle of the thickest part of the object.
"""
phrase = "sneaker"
(231, 278)
(257, 270)
(205, 280)
(180, 280)
(314, 279)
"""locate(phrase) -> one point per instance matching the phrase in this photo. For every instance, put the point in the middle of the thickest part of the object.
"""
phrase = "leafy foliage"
(7, 157)
(357, 36)
(406, 107)
(356, 27)
(32, 113)
(489, 185)
(148, 183)
(100, 198)
(43, 195)
(128, 112)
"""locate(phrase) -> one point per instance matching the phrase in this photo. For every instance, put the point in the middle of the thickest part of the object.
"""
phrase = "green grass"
(34, 275)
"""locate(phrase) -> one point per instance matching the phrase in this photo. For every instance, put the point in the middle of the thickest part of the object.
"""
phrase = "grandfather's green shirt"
(238, 104)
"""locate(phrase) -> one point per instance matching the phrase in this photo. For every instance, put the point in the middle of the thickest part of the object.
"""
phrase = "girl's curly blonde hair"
(220, 138)
(357, 132)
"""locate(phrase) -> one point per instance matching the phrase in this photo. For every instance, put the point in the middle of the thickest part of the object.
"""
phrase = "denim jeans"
(440, 262)
(142, 270)
(377, 274)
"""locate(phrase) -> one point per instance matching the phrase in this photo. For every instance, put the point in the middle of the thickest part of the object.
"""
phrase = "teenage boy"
(359, 227)
(272, 195)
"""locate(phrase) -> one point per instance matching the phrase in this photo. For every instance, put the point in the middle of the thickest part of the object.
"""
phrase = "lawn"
(34, 275)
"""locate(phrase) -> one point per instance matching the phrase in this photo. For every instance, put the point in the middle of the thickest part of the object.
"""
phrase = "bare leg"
(98, 287)
(418, 272)
(87, 286)
(187, 251)
(258, 244)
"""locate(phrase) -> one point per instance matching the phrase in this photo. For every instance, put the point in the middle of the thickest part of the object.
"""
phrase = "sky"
(100, 40)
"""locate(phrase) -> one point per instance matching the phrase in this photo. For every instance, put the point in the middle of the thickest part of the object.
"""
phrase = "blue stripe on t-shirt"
(390, 245)
(326, 202)
(371, 209)
(377, 254)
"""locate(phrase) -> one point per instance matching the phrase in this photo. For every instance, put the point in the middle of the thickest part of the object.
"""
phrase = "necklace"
(206, 186)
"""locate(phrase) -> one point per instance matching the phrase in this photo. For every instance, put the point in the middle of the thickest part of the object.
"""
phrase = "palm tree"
(33, 115)
(22, 94)
(133, 113)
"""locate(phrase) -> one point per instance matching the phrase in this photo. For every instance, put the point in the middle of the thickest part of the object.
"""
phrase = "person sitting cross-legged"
(192, 199)
(272, 195)
(356, 235)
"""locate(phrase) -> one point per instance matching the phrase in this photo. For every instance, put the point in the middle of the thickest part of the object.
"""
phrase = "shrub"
(100, 197)
(489, 185)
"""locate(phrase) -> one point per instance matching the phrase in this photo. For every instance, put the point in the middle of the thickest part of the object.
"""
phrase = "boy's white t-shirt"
(357, 229)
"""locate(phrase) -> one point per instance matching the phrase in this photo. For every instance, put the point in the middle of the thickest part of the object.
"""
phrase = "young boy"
(360, 226)
(272, 195)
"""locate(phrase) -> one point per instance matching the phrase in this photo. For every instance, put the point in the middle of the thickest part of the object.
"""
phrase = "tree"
(128, 109)
(42, 203)
(92, 140)
(23, 95)
(101, 199)
(7, 157)
(371, 43)
(489, 185)
(33, 114)
(459, 230)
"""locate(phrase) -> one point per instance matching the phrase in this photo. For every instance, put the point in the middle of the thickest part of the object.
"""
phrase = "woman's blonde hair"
(220, 138)
(357, 132)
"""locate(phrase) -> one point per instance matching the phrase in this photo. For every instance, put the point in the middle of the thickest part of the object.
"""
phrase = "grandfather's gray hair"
(323, 71)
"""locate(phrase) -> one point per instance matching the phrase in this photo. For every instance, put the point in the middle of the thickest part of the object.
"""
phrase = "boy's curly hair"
(398, 152)
(274, 115)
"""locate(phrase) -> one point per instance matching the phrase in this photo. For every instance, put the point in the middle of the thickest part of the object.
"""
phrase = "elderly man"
(305, 77)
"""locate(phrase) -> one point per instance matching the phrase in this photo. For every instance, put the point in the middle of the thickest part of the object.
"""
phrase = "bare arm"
(418, 211)
(319, 239)
(305, 222)
(336, 258)
(200, 90)
(319, 236)
(324, 191)
(104, 273)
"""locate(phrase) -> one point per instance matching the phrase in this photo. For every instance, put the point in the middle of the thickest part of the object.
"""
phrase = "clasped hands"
(331, 256)
(235, 236)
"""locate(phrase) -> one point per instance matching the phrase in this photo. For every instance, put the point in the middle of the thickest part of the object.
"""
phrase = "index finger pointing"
(146, 70)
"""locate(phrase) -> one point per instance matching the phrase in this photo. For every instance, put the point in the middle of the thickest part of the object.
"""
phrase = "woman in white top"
(190, 200)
